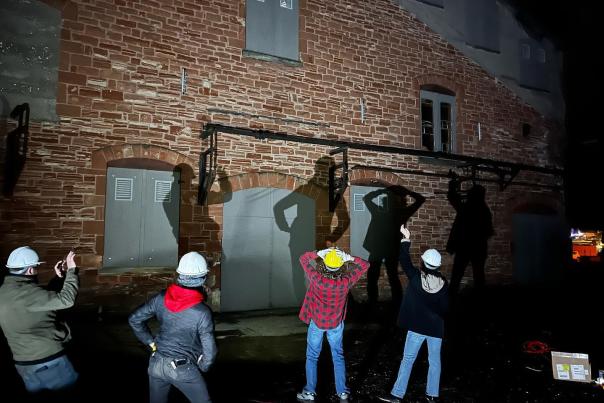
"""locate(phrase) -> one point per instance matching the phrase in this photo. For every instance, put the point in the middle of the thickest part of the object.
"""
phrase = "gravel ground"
(483, 357)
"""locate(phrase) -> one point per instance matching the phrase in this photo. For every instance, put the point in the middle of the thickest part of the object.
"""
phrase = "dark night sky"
(576, 28)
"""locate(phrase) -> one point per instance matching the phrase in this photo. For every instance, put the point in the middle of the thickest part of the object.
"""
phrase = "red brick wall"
(119, 92)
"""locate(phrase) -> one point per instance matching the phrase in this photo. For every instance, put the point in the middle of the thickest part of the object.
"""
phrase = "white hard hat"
(192, 264)
(23, 257)
(432, 259)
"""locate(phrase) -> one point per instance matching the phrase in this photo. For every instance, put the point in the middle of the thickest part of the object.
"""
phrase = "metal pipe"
(446, 175)
(265, 134)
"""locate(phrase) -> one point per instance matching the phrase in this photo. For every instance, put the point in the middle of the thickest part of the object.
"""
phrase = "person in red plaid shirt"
(331, 273)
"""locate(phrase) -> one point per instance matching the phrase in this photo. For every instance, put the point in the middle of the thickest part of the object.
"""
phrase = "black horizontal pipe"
(265, 134)
(446, 175)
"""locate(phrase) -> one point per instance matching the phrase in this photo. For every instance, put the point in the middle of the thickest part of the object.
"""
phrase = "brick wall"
(119, 96)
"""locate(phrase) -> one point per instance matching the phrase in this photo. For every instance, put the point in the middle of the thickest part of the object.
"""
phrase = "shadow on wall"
(470, 233)
(15, 142)
(383, 236)
(210, 229)
(207, 240)
(298, 228)
(184, 173)
(4, 110)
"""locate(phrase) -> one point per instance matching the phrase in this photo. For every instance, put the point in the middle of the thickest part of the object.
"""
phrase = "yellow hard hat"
(333, 259)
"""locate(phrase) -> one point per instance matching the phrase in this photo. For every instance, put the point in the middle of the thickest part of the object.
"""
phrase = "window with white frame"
(438, 121)
(271, 28)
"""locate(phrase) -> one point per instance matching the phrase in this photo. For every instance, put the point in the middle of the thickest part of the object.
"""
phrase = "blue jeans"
(56, 374)
(314, 343)
(412, 345)
(186, 378)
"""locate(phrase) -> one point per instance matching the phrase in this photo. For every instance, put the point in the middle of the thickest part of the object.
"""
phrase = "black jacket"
(421, 312)
(186, 334)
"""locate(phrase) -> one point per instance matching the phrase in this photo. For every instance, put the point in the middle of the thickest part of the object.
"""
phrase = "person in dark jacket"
(185, 342)
(422, 313)
(28, 317)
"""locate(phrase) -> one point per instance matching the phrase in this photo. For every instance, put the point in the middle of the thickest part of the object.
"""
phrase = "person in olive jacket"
(28, 317)
(422, 313)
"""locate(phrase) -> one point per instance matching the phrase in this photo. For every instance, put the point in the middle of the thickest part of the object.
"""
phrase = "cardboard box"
(571, 366)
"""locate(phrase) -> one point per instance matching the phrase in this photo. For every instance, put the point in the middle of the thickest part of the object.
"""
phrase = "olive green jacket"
(28, 316)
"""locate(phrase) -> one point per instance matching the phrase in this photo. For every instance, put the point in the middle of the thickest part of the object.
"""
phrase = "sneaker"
(343, 396)
(432, 399)
(390, 398)
(305, 396)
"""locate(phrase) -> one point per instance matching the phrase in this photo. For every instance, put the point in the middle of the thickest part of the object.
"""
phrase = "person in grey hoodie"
(28, 318)
(185, 343)
(422, 313)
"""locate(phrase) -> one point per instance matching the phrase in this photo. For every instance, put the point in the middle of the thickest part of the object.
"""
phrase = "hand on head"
(345, 257)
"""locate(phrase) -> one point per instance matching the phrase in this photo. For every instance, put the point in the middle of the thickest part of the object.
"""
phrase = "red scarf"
(178, 298)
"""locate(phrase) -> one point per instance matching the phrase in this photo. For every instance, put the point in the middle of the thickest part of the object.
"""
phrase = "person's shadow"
(383, 236)
(215, 252)
(471, 230)
(210, 230)
(301, 225)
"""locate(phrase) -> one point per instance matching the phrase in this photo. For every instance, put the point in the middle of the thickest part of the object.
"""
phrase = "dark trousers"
(373, 275)
(186, 378)
(478, 259)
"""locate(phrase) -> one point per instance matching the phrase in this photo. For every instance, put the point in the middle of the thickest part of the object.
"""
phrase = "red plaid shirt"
(325, 300)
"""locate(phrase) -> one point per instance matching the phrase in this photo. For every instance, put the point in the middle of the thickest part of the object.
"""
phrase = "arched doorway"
(541, 245)
(141, 214)
(264, 233)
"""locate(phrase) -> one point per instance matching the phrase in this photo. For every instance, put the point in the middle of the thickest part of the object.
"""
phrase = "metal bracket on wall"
(16, 148)
(208, 163)
(337, 186)
(506, 171)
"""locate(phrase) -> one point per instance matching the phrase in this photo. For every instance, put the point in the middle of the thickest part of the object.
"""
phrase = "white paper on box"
(578, 372)
(563, 371)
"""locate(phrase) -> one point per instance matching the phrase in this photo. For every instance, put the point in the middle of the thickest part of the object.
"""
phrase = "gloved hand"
(405, 232)
(203, 367)
(322, 253)
(345, 256)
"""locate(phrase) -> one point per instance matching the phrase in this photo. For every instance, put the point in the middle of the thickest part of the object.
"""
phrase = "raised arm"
(418, 200)
(404, 257)
(279, 211)
(63, 299)
(343, 222)
(453, 194)
(360, 267)
(306, 259)
(368, 199)
(407, 211)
